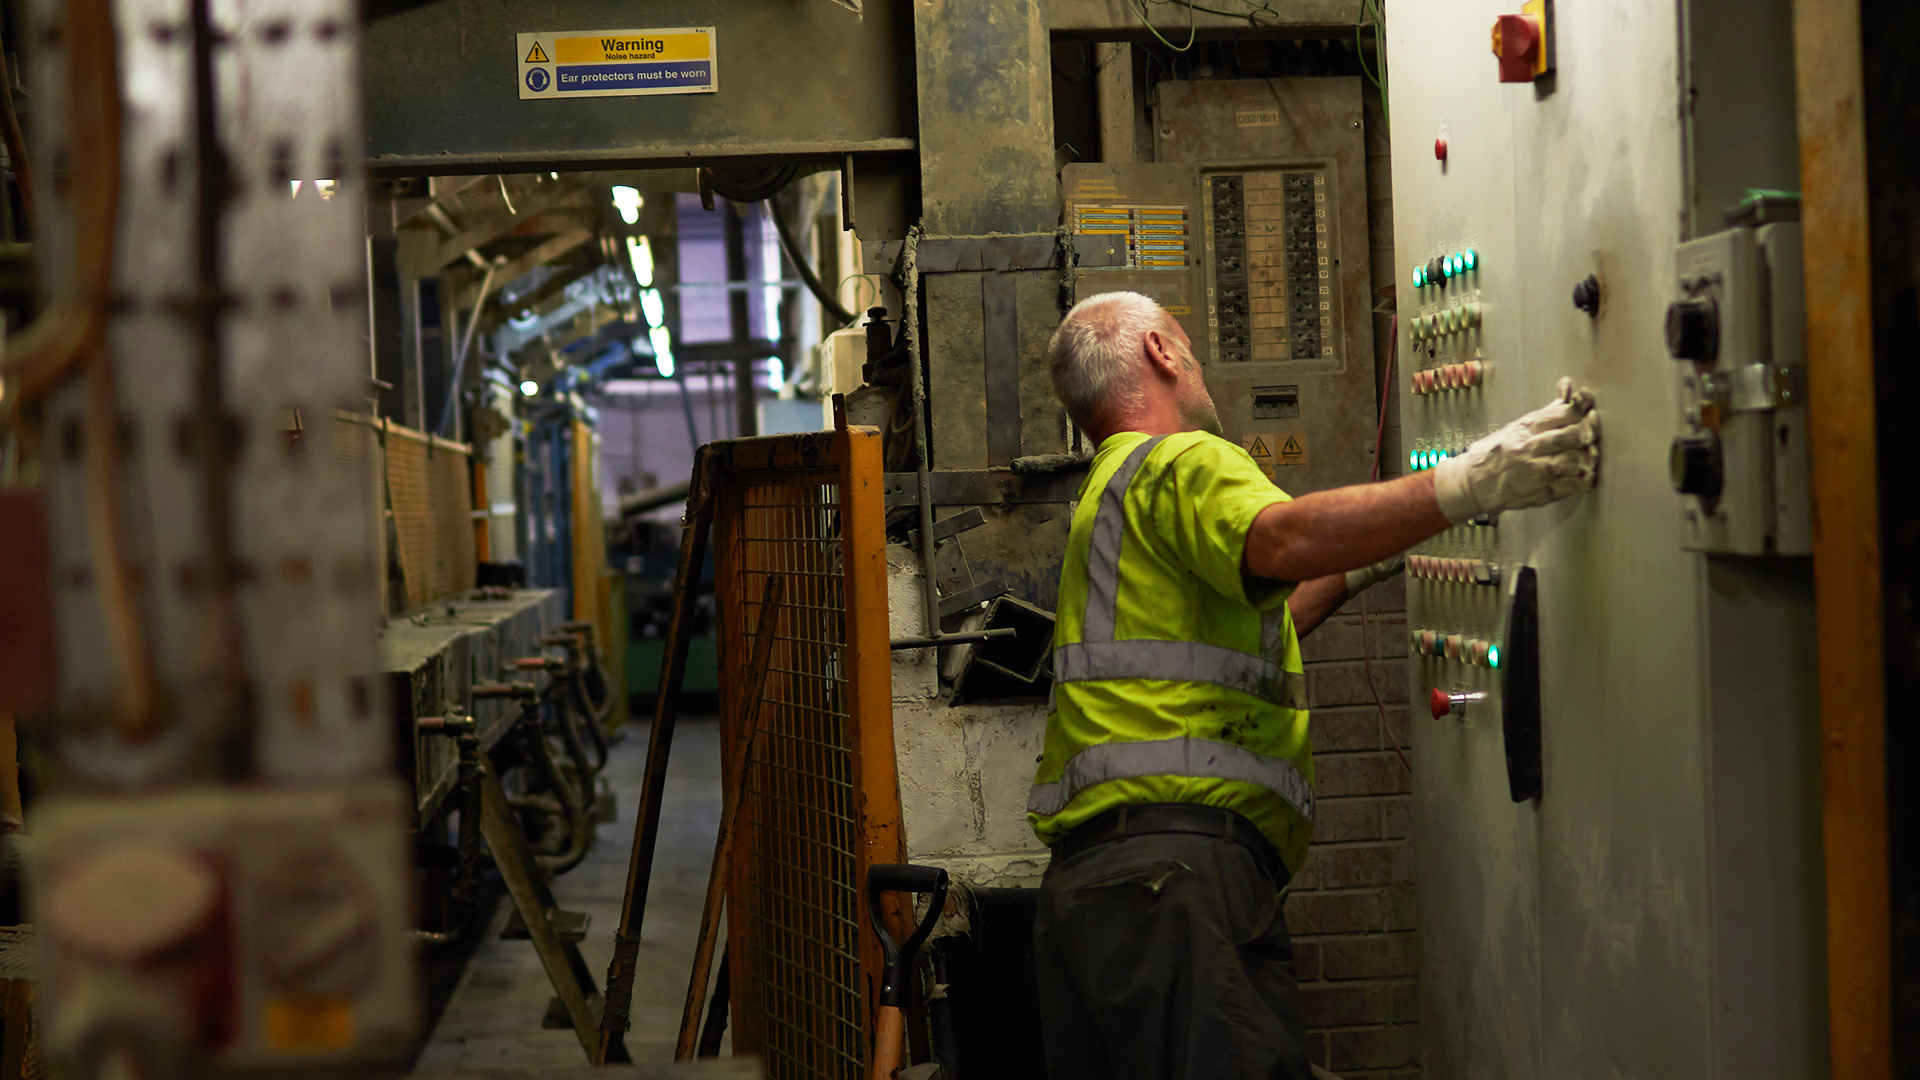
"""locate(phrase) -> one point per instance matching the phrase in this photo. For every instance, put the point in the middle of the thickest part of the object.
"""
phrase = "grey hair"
(1098, 353)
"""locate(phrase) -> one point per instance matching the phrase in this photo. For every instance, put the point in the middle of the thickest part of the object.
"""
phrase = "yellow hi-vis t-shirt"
(1177, 677)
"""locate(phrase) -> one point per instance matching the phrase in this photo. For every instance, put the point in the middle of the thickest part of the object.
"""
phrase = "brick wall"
(1352, 909)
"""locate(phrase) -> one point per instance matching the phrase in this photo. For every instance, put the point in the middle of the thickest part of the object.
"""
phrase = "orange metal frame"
(833, 549)
(1846, 553)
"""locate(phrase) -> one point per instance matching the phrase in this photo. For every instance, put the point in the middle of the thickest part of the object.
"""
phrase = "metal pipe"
(466, 345)
(964, 637)
(910, 274)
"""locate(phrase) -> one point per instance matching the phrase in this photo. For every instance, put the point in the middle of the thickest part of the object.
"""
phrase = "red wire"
(1379, 451)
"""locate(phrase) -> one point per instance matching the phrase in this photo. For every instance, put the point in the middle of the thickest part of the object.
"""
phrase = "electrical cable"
(804, 267)
(1377, 77)
(1379, 453)
(1192, 29)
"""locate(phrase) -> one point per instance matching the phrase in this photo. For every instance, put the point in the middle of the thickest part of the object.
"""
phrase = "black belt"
(1149, 819)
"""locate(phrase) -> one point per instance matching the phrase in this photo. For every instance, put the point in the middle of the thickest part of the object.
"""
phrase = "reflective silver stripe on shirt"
(1171, 757)
(1103, 554)
(1180, 661)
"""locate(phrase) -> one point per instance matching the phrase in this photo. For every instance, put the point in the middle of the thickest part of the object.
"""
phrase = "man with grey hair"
(1175, 785)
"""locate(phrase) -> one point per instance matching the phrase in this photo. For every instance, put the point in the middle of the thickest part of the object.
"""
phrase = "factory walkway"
(493, 1018)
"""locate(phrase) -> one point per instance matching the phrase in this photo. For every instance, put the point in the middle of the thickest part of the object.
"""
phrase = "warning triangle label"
(1259, 448)
(1292, 447)
(536, 55)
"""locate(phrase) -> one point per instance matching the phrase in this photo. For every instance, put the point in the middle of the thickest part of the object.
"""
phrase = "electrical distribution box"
(1616, 788)
(1739, 331)
(1251, 231)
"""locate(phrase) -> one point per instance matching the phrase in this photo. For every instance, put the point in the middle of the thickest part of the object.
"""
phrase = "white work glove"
(1546, 455)
(1359, 581)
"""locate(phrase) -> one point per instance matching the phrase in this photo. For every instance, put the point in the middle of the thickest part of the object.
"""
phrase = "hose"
(805, 269)
(579, 816)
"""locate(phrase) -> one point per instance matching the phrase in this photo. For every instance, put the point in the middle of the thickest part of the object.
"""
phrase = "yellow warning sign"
(536, 55)
(1275, 448)
(1293, 451)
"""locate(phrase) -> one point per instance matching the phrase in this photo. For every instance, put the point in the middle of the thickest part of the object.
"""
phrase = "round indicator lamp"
(1493, 656)
(1470, 259)
(1419, 276)
(1446, 267)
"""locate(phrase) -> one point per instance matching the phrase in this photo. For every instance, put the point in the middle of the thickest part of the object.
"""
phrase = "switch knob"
(1586, 295)
(1693, 330)
(1694, 465)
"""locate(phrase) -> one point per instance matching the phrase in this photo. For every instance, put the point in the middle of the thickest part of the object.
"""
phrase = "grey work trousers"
(1166, 957)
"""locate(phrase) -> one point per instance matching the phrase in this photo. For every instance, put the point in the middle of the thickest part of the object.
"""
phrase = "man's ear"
(1162, 359)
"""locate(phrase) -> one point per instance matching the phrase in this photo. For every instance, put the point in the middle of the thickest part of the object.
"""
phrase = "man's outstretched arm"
(1544, 456)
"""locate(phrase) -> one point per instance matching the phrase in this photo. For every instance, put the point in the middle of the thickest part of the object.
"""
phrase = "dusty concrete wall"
(964, 770)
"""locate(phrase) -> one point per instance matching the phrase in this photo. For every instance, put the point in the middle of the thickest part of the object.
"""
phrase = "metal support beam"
(1114, 62)
(572, 980)
(539, 256)
(1000, 343)
(531, 203)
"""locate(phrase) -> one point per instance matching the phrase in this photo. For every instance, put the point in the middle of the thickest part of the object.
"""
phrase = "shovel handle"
(888, 1043)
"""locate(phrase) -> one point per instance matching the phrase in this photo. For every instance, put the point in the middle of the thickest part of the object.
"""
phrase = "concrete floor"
(493, 1018)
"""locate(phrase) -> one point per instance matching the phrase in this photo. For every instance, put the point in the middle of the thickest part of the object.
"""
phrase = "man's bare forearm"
(1331, 532)
(1312, 601)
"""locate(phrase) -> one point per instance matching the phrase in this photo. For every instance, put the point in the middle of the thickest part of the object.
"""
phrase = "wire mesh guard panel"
(802, 910)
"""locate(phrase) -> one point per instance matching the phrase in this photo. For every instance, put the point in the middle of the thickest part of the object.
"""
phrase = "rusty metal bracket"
(986, 487)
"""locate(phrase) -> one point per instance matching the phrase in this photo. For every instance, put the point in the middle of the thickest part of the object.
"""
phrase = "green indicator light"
(1446, 267)
(1493, 656)
(1413, 460)
(1419, 276)
(1469, 259)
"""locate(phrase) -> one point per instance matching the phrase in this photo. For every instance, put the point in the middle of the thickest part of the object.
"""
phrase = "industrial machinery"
(223, 871)
(1617, 801)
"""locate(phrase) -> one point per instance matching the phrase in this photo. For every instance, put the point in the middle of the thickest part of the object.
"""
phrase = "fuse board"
(1614, 735)
(1254, 237)
(1269, 294)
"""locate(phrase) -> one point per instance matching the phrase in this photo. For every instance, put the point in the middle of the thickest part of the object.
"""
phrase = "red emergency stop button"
(1520, 41)
(1440, 702)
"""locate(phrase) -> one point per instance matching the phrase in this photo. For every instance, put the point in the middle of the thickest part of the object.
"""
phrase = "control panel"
(1614, 725)
(1253, 235)
(1456, 578)
(1738, 331)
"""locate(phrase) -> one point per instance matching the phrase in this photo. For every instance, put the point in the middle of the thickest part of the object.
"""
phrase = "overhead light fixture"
(662, 351)
(640, 253)
(653, 307)
(627, 200)
(529, 387)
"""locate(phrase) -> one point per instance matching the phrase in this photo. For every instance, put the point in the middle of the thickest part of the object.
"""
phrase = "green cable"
(1192, 30)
